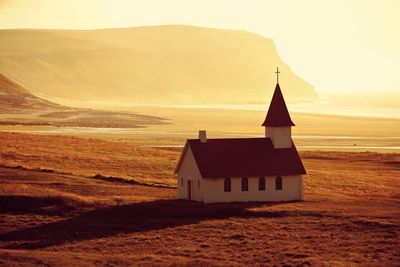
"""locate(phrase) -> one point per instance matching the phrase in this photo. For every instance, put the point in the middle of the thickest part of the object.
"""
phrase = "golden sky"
(336, 45)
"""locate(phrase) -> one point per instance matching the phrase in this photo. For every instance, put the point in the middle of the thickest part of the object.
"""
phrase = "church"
(244, 169)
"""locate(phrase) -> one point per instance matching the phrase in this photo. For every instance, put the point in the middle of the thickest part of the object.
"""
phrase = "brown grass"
(87, 157)
(351, 215)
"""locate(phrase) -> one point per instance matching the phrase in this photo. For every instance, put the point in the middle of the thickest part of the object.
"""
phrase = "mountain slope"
(19, 107)
(14, 97)
(156, 65)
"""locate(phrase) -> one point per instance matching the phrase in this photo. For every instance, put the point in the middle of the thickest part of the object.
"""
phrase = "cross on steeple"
(277, 74)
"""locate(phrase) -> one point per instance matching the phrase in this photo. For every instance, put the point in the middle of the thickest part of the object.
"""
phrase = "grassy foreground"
(55, 210)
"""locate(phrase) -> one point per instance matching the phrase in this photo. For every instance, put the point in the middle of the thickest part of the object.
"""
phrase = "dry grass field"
(54, 210)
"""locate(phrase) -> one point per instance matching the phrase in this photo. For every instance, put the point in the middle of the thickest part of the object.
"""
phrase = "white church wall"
(291, 190)
(281, 137)
(189, 171)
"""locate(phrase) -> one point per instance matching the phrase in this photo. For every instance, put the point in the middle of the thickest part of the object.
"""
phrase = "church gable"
(187, 163)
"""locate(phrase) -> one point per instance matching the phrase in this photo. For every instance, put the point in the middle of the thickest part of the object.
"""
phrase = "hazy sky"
(335, 45)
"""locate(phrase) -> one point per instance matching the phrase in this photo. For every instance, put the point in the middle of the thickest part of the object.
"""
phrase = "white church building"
(244, 169)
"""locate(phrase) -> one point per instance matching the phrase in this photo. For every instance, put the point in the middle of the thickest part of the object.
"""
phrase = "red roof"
(278, 114)
(219, 158)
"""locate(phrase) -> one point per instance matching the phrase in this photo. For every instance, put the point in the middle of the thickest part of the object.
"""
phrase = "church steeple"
(278, 114)
(278, 123)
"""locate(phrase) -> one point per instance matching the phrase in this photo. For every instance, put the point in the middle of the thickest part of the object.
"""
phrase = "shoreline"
(176, 140)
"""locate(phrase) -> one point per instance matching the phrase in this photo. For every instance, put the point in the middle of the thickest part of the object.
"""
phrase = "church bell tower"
(277, 123)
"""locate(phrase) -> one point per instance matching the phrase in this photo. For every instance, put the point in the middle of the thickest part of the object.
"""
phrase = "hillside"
(14, 97)
(152, 65)
(19, 107)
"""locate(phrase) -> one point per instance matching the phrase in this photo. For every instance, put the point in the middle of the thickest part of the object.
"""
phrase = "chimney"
(202, 136)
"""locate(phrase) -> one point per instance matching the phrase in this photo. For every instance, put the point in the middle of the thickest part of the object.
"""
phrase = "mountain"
(154, 65)
(14, 97)
(19, 107)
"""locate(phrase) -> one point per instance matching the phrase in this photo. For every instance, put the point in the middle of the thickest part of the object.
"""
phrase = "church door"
(189, 187)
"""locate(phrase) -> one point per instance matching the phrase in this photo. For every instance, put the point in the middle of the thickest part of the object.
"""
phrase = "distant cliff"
(153, 65)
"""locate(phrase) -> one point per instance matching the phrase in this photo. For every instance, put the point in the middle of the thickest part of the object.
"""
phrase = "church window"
(245, 184)
(261, 183)
(181, 181)
(227, 184)
(278, 183)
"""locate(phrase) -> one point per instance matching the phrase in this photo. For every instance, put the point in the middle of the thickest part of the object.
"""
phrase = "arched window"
(261, 183)
(278, 183)
(181, 181)
(227, 184)
(245, 184)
